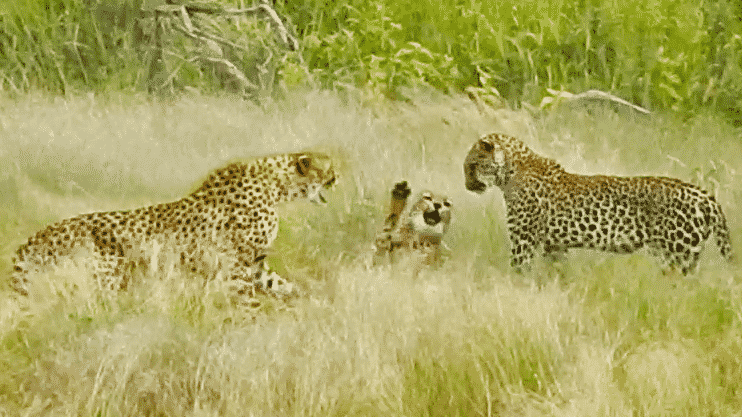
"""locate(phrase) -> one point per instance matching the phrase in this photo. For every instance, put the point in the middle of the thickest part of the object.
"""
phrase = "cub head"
(430, 215)
(486, 165)
(311, 173)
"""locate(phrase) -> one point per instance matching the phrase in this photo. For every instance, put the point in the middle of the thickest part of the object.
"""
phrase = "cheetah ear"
(303, 164)
(486, 145)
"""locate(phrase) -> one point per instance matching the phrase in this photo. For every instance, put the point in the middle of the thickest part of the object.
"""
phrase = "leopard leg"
(555, 253)
(526, 227)
(522, 250)
(686, 262)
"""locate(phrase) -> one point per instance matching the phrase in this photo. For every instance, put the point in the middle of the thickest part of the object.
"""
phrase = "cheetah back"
(231, 214)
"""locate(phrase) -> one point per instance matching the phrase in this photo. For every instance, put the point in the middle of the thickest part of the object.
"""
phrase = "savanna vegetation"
(661, 54)
(385, 87)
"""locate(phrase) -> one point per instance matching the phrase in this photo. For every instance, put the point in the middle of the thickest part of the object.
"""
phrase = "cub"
(417, 232)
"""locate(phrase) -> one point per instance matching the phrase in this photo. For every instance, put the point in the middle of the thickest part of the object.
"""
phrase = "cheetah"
(231, 215)
(418, 231)
(556, 210)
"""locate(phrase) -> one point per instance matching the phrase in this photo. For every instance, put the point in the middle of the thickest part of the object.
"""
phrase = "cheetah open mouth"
(432, 218)
(319, 198)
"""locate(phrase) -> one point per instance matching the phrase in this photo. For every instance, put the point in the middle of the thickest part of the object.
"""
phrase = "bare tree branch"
(177, 16)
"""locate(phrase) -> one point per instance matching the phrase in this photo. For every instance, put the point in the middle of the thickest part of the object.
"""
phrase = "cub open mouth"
(432, 217)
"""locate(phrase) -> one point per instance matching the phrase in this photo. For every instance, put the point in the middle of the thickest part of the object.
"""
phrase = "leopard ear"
(486, 145)
(303, 164)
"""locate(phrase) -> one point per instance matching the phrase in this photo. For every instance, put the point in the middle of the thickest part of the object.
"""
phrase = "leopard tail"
(721, 231)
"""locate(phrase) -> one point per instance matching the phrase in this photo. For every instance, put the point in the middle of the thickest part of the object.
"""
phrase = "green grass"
(595, 334)
(661, 54)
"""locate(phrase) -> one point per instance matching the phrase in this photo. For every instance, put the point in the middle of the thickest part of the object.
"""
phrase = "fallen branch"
(212, 48)
(592, 96)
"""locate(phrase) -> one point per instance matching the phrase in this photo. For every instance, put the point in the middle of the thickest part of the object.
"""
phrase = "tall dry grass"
(595, 334)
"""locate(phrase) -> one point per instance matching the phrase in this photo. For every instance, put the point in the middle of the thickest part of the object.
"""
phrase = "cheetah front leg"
(240, 271)
(251, 275)
(269, 282)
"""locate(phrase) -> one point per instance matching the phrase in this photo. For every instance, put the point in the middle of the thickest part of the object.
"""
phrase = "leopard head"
(486, 164)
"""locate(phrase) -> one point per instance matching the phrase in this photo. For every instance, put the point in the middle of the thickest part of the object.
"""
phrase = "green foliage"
(68, 45)
(60, 45)
(661, 54)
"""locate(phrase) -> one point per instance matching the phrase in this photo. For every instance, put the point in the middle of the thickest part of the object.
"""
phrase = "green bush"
(661, 54)
(668, 54)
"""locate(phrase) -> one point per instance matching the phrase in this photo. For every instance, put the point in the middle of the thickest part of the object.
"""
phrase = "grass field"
(595, 335)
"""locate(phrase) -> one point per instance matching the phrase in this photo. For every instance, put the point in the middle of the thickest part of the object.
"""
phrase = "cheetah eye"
(427, 196)
(446, 203)
(303, 164)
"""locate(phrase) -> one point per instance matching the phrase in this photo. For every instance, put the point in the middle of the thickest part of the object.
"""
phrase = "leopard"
(231, 216)
(550, 210)
(415, 232)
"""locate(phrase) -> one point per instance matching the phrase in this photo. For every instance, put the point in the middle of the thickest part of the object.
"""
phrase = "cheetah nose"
(432, 217)
(437, 206)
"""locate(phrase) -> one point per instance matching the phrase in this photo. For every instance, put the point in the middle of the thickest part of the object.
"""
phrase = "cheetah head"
(311, 173)
(430, 215)
(486, 165)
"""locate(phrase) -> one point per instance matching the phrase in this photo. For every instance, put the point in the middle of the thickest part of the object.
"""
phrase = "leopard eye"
(487, 145)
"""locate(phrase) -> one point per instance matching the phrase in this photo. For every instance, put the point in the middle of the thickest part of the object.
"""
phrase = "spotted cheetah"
(231, 215)
(556, 210)
(418, 231)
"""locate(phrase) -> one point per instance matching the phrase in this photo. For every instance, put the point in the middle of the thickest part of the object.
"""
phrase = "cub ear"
(303, 164)
(486, 145)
